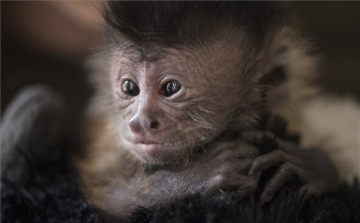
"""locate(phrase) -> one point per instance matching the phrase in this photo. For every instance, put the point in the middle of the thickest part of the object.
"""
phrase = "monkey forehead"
(209, 60)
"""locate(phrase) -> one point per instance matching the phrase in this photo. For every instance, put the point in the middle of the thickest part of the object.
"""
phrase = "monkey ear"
(290, 71)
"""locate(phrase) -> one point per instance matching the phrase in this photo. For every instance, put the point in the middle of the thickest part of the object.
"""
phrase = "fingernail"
(251, 172)
(264, 199)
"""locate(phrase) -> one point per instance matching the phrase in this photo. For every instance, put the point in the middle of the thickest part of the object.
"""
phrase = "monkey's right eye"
(130, 88)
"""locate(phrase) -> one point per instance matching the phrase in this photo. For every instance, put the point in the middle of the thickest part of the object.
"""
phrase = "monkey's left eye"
(130, 88)
(171, 88)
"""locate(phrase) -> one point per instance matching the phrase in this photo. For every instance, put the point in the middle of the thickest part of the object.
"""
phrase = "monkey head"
(175, 83)
(176, 101)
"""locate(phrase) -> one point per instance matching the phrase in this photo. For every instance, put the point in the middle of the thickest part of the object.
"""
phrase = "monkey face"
(174, 99)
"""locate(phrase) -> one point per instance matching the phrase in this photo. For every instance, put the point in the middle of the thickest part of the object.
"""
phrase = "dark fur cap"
(172, 23)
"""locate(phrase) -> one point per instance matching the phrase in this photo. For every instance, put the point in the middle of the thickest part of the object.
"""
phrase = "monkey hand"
(313, 167)
(222, 166)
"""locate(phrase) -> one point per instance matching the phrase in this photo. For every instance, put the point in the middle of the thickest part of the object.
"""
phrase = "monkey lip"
(151, 147)
(150, 143)
(147, 142)
(154, 150)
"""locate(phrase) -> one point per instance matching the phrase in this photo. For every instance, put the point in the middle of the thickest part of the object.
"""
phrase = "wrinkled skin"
(236, 165)
(221, 166)
(313, 166)
(193, 116)
(230, 166)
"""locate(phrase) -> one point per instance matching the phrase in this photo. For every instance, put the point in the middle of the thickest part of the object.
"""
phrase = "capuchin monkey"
(180, 87)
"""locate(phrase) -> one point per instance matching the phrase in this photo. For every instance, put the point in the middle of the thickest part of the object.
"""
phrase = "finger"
(308, 190)
(246, 150)
(256, 137)
(268, 139)
(240, 185)
(244, 167)
(243, 152)
(243, 193)
(274, 158)
(286, 146)
(284, 172)
(264, 141)
(235, 166)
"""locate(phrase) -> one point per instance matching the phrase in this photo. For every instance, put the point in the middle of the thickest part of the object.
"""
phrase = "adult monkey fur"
(180, 84)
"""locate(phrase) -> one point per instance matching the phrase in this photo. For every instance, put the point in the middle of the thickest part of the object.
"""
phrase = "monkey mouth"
(150, 143)
(152, 148)
(155, 151)
(146, 142)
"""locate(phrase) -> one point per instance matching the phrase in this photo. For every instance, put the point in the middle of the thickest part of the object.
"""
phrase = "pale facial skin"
(159, 101)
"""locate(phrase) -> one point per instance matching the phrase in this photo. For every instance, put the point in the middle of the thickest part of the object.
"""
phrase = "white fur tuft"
(332, 124)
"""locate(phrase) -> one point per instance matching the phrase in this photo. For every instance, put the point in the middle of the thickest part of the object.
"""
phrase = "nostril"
(154, 124)
(135, 126)
(139, 124)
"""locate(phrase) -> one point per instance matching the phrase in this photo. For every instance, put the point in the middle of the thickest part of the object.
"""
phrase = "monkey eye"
(170, 88)
(130, 88)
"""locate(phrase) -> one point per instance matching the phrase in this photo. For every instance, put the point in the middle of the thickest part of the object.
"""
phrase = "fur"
(338, 137)
(48, 192)
(268, 46)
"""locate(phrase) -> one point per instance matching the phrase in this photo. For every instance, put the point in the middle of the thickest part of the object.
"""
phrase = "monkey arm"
(313, 166)
(31, 122)
(221, 166)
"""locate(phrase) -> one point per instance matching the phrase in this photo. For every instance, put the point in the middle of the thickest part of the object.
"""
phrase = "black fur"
(341, 206)
(183, 22)
(47, 193)
(50, 193)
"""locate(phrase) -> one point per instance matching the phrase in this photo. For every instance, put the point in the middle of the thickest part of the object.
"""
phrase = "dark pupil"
(130, 88)
(171, 88)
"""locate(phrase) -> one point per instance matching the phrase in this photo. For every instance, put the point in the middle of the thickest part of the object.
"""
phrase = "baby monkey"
(180, 87)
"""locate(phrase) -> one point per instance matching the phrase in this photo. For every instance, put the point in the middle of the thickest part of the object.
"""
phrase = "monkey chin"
(156, 153)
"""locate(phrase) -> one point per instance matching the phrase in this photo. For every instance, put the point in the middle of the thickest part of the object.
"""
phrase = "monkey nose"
(143, 124)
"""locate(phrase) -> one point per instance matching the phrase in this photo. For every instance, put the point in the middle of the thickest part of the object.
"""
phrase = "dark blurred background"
(47, 42)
